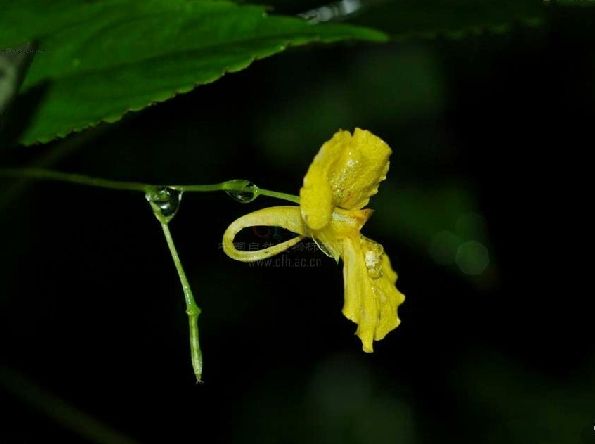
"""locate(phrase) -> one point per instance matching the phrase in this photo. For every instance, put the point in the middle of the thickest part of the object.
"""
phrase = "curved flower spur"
(344, 175)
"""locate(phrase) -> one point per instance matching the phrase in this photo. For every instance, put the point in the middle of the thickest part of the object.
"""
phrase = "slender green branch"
(80, 179)
(231, 186)
(192, 310)
(282, 196)
(238, 186)
(59, 151)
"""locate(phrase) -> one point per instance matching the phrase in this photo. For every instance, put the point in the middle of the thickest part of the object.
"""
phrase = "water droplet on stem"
(245, 191)
(165, 202)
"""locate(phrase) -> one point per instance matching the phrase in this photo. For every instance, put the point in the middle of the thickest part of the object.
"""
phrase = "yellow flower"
(344, 175)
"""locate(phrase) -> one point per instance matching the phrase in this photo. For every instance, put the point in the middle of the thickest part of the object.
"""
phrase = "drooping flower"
(344, 175)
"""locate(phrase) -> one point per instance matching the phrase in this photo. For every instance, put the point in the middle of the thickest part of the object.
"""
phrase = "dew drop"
(247, 194)
(165, 201)
(373, 260)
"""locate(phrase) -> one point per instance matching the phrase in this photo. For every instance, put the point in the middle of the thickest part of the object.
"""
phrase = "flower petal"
(345, 173)
(371, 298)
(389, 300)
(363, 165)
(316, 195)
(344, 223)
(287, 217)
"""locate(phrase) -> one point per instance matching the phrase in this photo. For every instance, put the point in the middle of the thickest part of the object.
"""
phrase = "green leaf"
(98, 60)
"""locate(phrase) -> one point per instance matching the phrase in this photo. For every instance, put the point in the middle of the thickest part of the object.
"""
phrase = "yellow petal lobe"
(371, 297)
(363, 164)
(316, 195)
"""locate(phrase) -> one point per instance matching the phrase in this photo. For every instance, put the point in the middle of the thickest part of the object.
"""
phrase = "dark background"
(490, 134)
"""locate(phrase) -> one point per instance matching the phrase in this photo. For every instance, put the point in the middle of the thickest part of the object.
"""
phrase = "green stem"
(41, 174)
(192, 309)
(239, 186)
(59, 151)
(282, 196)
